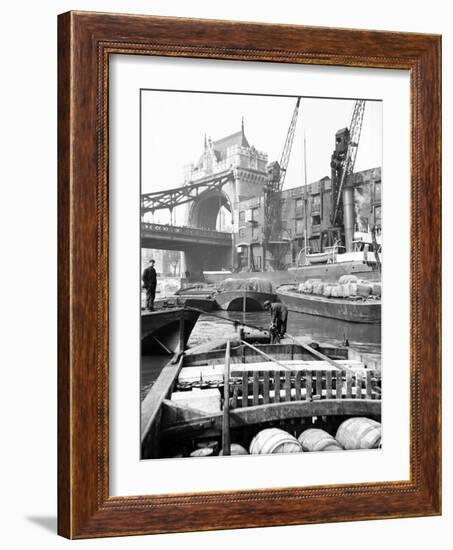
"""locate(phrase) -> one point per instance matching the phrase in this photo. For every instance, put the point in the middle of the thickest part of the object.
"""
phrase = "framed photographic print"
(249, 275)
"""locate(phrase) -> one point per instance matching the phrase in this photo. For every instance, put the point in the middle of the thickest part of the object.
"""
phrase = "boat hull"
(325, 272)
(162, 331)
(233, 300)
(199, 302)
(341, 309)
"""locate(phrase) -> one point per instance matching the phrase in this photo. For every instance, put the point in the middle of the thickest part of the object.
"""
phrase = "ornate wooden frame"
(85, 41)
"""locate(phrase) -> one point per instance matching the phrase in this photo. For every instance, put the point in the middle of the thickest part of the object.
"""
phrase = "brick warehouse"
(303, 210)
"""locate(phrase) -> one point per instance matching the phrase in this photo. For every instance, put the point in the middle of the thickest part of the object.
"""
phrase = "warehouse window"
(299, 226)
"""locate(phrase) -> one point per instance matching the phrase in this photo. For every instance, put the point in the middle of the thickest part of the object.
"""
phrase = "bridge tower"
(232, 153)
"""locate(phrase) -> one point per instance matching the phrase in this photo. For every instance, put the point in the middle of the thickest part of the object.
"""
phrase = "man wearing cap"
(279, 318)
(149, 279)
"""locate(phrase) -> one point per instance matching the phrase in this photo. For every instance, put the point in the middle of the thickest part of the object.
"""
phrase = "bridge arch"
(203, 213)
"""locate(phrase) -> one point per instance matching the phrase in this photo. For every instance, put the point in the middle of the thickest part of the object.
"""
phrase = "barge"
(244, 294)
(220, 398)
(353, 310)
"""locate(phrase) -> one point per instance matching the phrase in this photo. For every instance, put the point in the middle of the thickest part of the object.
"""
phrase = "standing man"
(149, 279)
(279, 318)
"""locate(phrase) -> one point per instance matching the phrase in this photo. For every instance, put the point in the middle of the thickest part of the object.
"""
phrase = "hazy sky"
(174, 124)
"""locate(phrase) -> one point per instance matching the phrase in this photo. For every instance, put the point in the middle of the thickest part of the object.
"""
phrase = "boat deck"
(291, 384)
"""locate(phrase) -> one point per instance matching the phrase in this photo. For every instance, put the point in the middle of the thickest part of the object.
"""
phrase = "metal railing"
(184, 230)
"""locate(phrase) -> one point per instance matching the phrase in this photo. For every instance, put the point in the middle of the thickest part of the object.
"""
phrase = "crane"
(343, 158)
(277, 173)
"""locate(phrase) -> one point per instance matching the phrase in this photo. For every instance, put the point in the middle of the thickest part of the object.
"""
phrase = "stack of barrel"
(354, 433)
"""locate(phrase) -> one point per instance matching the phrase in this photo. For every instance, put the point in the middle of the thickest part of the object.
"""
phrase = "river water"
(362, 337)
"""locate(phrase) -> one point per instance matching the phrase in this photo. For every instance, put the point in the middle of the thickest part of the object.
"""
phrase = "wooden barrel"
(205, 451)
(314, 440)
(236, 449)
(210, 444)
(359, 433)
(272, 441)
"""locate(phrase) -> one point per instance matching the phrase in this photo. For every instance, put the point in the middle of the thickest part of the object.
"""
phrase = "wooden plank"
(319, 383)
(358, 385)
(316, 353)
(256, 387)
(234, 403)
(348, 384)
(276, 412)
(369, 375)
(265, 355)
(160, 390)
(276, 386)
(287, 386)
(173, 412)
(339, 385)
(181, 333)
(308, 385)
(329, 385)
(253, 362)
(245, 388)
(207, 347)
(226, 440)
(298, 386)
(266, 386)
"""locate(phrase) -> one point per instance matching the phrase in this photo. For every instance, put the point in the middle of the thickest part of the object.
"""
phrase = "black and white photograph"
(261, 260)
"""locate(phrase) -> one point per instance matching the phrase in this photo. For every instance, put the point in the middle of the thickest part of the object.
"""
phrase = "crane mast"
(343, 158)
(277, 174)
(284, 160)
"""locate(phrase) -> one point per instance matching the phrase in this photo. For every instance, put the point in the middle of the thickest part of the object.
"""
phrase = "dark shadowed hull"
(162, 331)
(353, 311)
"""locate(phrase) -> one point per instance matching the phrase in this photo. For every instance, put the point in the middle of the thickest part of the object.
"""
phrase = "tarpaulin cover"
(254, 284)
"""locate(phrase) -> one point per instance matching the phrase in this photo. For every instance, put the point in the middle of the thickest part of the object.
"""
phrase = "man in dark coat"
(149, 279)
(279, 318)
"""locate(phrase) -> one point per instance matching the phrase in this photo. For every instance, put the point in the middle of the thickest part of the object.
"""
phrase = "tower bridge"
(270, 230)
(229, 170)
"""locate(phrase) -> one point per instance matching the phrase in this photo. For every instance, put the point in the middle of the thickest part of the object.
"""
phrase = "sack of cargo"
(230, 284)
(363, 290)
(376, 289)
(334, 291)
(327, 292)
(259, 285)
(340, 291)
(318, 289)
(346, 292)
(313, 281)
(301, 287)
(352, 289)
(310, 285)
(344, 279)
